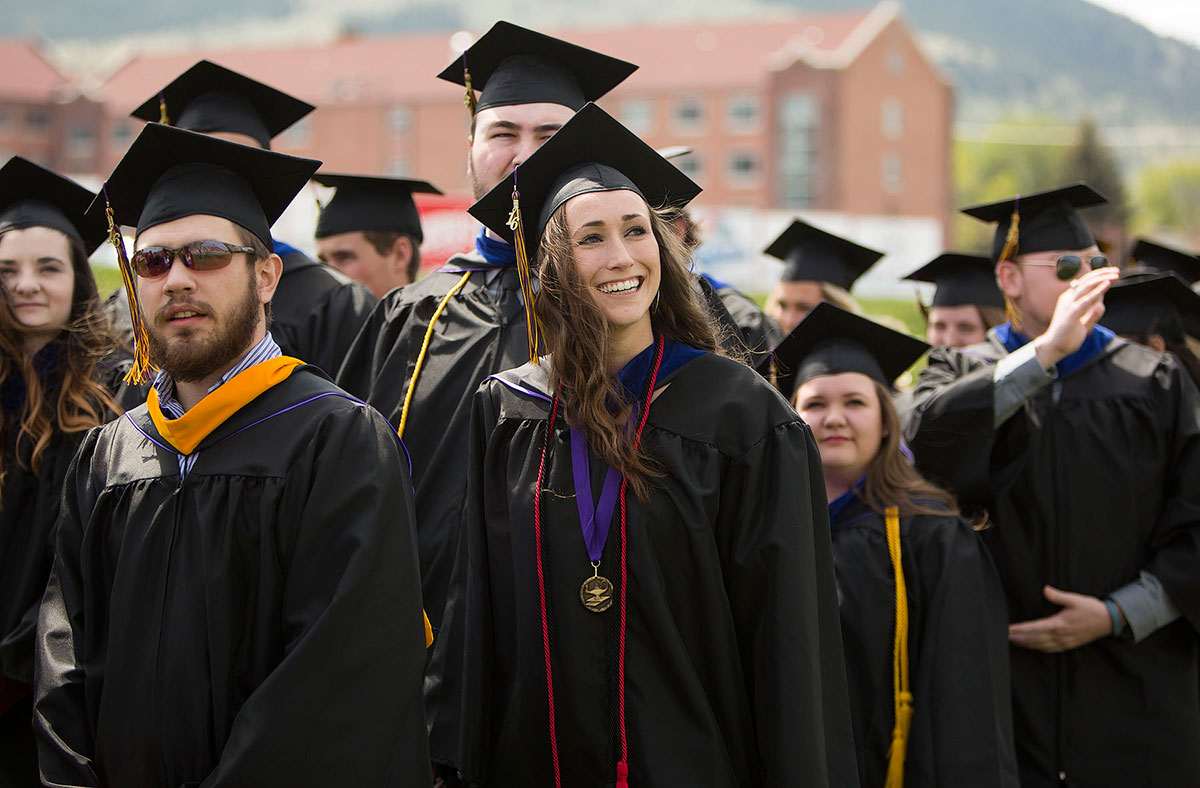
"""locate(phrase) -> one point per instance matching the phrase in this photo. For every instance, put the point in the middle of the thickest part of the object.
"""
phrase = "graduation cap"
(810, 253)
(1152, 303)
(368, 204)
(33, 196)
(169, 173)
(592, 152)
(209, 98)
(510, 64)
(830, 340)
(1164, 258)
(1039, 222)
(961, 279)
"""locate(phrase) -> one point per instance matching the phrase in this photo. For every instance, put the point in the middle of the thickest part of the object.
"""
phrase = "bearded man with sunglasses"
(235, 598)
(1085, 451)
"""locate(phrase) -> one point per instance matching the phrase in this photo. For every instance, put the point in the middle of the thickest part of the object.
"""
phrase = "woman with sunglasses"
(1085, 450)
(923, 617)
(644, 591)
(60, 375)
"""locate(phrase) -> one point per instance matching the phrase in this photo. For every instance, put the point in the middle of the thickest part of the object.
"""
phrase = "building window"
(81, 139)
(893, 119)
(689, 115)
(691, 165)
(399, 120)
(799, 117)
(892, 174)
(742, 168)
(297, 135)
(637, 115)
(122, 135)
(743, 113)
(38, 121)
(894, 61)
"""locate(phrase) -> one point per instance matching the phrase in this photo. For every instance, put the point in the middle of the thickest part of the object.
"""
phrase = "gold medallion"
(596, 593)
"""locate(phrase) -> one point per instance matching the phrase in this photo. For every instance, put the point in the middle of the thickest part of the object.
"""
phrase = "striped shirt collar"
(266, 349)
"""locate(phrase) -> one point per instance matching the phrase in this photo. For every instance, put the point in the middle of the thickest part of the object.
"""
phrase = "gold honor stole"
(186, 432)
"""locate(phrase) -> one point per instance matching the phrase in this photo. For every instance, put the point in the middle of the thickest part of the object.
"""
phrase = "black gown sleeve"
(951, 424)
(773, 535)
(343, 706)
(323, 333)
(370, 351)
(962, 717)
(1176, 559)
(61, 720)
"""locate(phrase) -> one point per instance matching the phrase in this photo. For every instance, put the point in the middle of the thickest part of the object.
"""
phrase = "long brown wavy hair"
(892, 480)
(576, 333)
(82, 402)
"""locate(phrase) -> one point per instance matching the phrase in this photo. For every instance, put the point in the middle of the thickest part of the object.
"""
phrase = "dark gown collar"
(1091, 348)
(839, 505)
(13, 389)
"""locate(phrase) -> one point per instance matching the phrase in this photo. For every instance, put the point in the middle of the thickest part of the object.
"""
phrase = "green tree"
(1092, 161)
(1168, 196)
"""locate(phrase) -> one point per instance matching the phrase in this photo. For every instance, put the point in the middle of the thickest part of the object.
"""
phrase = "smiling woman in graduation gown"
(723, 619)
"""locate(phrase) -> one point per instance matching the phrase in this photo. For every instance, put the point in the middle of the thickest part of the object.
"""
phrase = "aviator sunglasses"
(198, 255)
(1066, 266)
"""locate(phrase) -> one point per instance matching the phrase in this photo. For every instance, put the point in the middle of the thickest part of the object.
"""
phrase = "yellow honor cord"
(533, 327)
(902, 693)
(412, 384)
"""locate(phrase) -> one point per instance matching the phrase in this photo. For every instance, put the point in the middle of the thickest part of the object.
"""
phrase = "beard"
(192, 357)
(477, 188)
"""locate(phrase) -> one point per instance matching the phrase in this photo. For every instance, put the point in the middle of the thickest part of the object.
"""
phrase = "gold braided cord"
(412, 384)
(901, 689)
(533, 327)
(140, 371)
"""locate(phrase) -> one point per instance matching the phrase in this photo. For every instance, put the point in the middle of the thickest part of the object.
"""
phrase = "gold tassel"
(140, 371)
(163, 118)
(469, 100)
(533, 326)
(901, 691)
(1012, 243)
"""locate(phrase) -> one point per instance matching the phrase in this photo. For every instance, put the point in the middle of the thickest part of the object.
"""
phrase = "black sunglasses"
(1066, 266)
(198, 255)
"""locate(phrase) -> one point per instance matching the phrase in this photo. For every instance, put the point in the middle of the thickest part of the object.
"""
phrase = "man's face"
(955, 326)
(1032, 282)
(506, 136)
(199, 323)
(357, 258)
(792, 301)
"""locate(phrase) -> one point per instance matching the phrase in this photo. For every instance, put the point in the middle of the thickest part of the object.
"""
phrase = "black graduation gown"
(734, 671)
(28, 510)
(1095, 479)
(958, 650)
(257, 622)
(747, 329)
(476, 335)
(317, 311)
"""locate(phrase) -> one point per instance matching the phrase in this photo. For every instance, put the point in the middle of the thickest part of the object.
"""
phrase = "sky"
(1175, 18)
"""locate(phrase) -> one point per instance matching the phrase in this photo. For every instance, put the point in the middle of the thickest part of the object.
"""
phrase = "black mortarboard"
(961, 279)
(592, 152)
(1046, 220)
(1152, 303)
(1164, 258)
(810, 253)
(830, 340)
(33, 196)
(170, 173)
(209, 98)
(368, 204)
(514, 65)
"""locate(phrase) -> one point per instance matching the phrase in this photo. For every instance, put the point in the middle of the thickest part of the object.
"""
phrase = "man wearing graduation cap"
(966, 300)
(1159, 310)
(428, 346)
(316, 311)
(225, 552)
(818, 266)
(370, 230)
(1085, 450)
